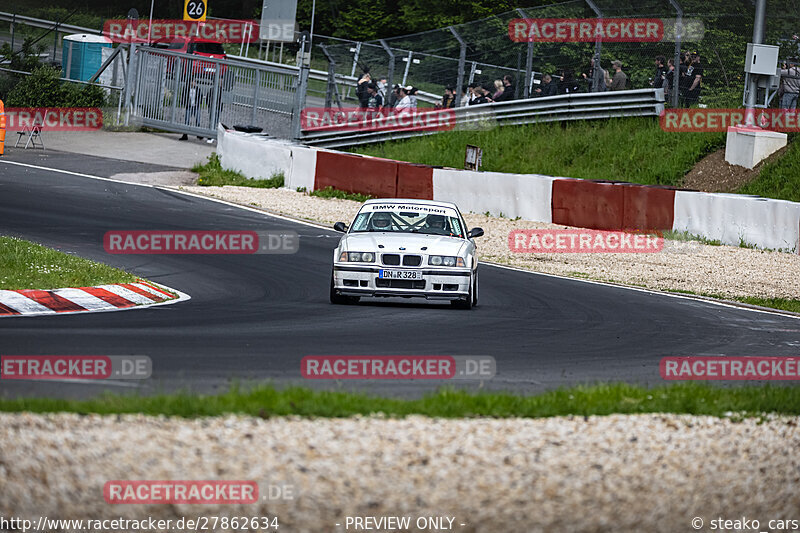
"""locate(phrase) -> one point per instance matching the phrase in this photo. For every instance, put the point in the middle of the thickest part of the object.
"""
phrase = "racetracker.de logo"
(610, 30)
(141, 31)
(730, 368)
(75, 367)
(186, 492)
(334, 119)
(716, 120)
(533, 241)
(54, 118)
(201, 242)
(398, 367)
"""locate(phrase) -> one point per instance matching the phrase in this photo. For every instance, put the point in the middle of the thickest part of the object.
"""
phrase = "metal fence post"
(300, 95)
(408, 65)
(462, 59)
(255, 95)
(178, 89)
(528, 62)
(55, 41)
(676, 74)
(598, 44)
(130, 80)
(390, 73)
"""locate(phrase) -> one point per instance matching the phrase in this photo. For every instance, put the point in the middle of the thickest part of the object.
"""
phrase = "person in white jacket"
(405, 104)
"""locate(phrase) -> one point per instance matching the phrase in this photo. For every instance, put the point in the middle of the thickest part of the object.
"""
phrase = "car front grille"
(412, 260)
(391, 259)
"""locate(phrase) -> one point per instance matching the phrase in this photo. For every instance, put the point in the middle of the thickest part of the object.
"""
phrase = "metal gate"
(191, 94)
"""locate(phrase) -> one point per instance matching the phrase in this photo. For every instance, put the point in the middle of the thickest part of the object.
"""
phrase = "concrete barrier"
(528, 196)
(355, 173)
(253, 155)
(733, 219)
(729, 218)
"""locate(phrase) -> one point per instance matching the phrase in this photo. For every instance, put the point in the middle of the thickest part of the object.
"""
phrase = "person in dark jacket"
(569, 84)
(508, 90)
(660, 75)
(549, 87)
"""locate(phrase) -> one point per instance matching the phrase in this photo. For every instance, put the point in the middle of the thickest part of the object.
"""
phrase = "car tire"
(468, 301)
(475, 290)
(339, 299)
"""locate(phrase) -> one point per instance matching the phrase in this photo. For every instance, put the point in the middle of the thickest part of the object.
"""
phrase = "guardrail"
(48, 24)
(579, 106)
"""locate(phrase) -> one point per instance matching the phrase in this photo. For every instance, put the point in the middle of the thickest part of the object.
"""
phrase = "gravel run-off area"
(650, 473)
(724, 271)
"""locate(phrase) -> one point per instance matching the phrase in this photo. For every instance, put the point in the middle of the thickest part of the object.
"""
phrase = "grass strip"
(27, 265)
(213, 175)
(779, 179)
(266, 401)
(633, 149)
(330, 192)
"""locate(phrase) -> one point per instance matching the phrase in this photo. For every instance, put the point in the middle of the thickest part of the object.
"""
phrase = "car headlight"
(357, 257)
(446, 260)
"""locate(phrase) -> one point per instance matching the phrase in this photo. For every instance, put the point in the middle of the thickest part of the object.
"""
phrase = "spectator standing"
(595, 76)
(374, 99)
(394, 97)
(669, 79)
(684, 80)
(449, 99)
(790, 83)
(620, 80)
(695, 83)
(404, 105)
(660, 74)
(192, 99)
(569, 84)
(412, 96)
(508, 89)
(383, 85)
(361, 89)
(498, 89)
(548, 88)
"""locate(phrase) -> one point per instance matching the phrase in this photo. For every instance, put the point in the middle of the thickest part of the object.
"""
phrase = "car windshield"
(429, 220)
(209, 48)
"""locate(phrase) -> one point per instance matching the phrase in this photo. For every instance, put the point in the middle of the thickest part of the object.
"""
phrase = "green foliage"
(631, 149)
(27, 265)
(213, 175)
(330, 192)
(779, 179)
(43, 88)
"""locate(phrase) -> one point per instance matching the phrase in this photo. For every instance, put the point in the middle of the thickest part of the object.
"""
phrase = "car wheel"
(475, 290)
(340, 299)
(467, 302)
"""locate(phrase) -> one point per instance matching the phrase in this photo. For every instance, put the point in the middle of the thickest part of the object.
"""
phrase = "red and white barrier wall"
(729, 218)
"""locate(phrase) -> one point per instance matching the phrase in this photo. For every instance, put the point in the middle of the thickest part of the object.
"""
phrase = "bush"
(43, 88)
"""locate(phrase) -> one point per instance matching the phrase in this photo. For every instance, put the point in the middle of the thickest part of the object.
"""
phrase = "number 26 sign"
(194, 10)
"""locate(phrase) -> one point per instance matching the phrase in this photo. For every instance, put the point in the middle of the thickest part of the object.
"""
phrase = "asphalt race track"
(253, 317)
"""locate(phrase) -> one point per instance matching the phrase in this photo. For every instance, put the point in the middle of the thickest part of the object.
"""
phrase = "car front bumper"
(437, 284)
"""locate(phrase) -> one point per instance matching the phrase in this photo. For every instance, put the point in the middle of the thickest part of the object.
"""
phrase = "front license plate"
(400, 274)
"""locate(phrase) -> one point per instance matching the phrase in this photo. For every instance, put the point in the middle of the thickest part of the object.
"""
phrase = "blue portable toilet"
(86, 55)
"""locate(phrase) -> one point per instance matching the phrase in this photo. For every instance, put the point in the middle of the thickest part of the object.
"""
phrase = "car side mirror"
(475, 232)
(341, 226)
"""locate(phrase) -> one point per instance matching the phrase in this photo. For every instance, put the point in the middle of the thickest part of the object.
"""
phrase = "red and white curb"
(114, 297)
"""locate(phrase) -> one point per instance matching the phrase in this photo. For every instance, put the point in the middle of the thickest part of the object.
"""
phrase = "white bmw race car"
(407, 248)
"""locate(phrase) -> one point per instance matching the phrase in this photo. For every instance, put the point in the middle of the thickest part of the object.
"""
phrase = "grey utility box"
(761, 59)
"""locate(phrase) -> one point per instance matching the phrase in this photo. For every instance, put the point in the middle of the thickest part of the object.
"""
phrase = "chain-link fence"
(482, 51)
